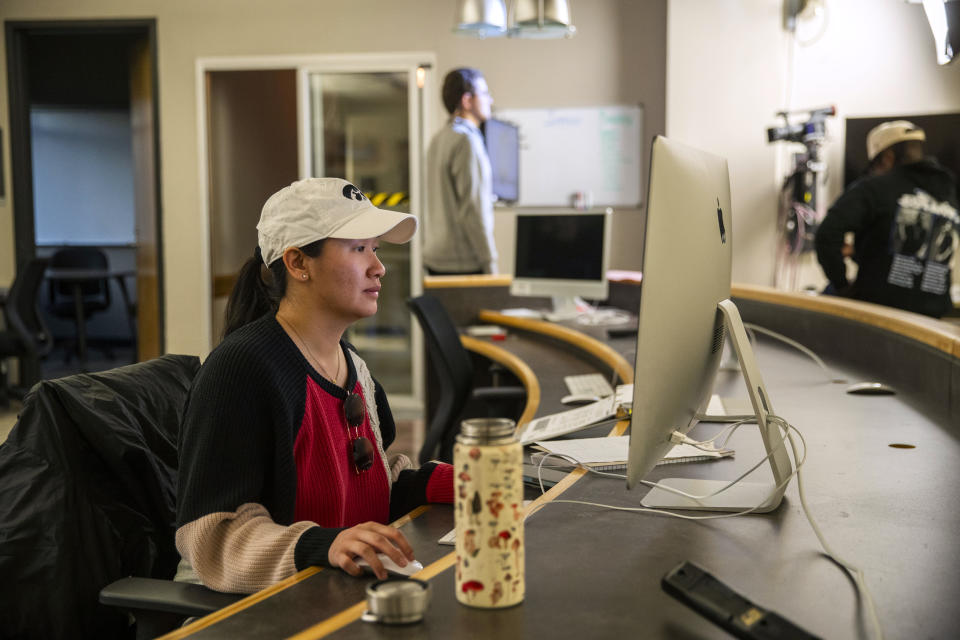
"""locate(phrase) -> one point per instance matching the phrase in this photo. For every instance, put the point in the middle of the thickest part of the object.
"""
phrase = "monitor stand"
(742, 495)
(564, 308)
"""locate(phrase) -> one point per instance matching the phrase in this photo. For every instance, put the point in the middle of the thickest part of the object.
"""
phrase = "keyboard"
(592, 384)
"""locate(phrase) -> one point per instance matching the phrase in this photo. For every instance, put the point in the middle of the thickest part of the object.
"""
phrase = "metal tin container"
(397, 601)
(487, 460)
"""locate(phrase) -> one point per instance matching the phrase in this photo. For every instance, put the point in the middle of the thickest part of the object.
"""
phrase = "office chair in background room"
(458, 398)
(94, 293)
(87, 500)
(24, 334)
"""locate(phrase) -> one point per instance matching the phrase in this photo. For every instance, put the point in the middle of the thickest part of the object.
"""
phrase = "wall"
(729, 70)
(616, 57)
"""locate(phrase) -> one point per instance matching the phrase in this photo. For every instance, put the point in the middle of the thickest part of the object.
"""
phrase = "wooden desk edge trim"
(352, 613)
(929, 331)
(263, 594)
(461, 282)
(579, 340)
(240, 605)
(517, 366)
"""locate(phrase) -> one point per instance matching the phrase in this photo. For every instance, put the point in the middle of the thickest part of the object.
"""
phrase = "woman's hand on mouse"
(366, 540)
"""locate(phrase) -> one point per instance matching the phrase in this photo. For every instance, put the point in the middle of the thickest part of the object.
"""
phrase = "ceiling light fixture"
(481, 18)
(944, 19)
(543, 19)
(936, 11)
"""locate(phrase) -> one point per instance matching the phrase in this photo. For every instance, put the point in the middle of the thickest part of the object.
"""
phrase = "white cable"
(782, 424)
(799, 347)
(785, 428)
(857, 573)
(704, 445)
(798, 463)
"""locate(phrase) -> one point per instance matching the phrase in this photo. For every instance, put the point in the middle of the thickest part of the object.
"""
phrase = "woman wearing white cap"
(282, 462)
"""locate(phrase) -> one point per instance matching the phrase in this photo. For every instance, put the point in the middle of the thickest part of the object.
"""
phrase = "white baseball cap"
(890, 133)
(316, 208)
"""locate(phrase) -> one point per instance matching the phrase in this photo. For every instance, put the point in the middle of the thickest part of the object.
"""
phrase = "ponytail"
(259, 289)
(251, 296)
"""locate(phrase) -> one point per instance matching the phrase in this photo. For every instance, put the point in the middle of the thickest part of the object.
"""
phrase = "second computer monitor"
(502, 140)
(562, 255)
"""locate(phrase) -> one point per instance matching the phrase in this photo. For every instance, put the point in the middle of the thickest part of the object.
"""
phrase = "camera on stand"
(800, 210)
(812, 130)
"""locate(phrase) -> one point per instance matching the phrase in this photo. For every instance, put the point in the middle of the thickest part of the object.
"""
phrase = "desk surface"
(595, 573)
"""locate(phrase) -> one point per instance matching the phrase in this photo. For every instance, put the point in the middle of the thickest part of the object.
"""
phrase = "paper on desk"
(590, 450)
(565, 422)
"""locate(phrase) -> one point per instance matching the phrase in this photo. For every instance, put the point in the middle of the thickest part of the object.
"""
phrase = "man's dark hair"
(456, 84)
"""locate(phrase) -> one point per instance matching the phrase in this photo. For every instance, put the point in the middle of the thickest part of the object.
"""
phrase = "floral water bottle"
(487, 460)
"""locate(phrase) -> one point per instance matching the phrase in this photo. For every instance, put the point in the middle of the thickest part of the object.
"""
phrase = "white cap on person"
(888, 134)
(316, 208)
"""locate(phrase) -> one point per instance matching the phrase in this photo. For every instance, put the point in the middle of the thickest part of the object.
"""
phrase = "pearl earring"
(304, 276)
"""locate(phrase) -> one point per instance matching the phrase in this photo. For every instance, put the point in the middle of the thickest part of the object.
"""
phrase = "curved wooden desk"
(516, 366)
(938, 334)
(577, 340)
(595, 572)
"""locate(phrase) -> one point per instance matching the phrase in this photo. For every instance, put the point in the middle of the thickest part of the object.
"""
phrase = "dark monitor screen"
(503, 148)
(943, 141)
(560, 247)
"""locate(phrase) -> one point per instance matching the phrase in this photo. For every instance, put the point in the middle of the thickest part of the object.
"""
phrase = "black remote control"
(729, 610)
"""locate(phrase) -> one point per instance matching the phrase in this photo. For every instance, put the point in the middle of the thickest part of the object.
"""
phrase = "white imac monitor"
(562, 255)
(684, 310)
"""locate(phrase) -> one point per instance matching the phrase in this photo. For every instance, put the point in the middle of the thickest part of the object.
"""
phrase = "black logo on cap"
(350, 191)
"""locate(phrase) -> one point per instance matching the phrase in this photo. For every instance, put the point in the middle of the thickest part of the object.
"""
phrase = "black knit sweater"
(240, 423)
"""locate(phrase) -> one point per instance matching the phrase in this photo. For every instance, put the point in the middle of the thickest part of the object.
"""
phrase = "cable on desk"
(787, 430)
(799, 347)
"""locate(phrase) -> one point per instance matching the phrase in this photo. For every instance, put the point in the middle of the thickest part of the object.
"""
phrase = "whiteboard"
(593, 150)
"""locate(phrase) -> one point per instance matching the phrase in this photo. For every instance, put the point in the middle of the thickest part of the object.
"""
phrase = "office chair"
(458, 397)
(87, 495)
(94, 293)
(25, 335)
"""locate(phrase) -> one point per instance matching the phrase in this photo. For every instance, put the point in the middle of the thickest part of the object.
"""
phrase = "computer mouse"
(870, 389)
(392, 567)
(578, 399)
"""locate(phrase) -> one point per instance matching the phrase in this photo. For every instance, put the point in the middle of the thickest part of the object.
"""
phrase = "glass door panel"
(360, 131)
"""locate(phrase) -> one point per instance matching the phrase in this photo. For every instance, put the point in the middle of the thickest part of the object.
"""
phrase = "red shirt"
(330, 492)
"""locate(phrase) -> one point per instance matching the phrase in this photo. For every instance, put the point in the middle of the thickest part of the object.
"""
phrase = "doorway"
(85, 177)
(266, 122)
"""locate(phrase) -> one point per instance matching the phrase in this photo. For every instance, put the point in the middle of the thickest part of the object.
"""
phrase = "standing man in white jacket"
(458, 225)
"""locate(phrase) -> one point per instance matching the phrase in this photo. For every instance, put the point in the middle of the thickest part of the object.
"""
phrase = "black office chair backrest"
(22, 310)
(454, 373)
(95, 292)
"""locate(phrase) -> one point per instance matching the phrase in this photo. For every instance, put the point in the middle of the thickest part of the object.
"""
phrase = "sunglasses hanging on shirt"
(361, 450)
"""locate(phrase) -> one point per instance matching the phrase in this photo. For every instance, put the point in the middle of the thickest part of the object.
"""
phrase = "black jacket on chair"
(87, 490)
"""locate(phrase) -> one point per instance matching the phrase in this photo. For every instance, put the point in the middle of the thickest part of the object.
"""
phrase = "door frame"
(21, 153)
(419, 106)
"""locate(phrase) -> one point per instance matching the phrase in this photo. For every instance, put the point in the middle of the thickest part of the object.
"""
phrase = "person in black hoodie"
(905, 221)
